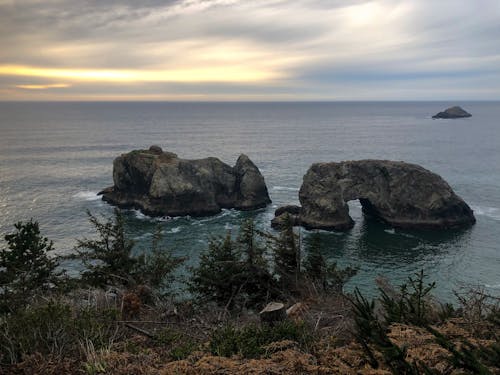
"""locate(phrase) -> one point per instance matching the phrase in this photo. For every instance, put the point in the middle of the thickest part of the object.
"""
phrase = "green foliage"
(156, 268)
(109, 259)
(287, 254)
(467, 357)
(412, 304)
(370, 332)
(25, 266)
(181, 347)
(219, 275)
(250, 341)
(54, 329)
(325, 276)
(182, 350)
(234, 273)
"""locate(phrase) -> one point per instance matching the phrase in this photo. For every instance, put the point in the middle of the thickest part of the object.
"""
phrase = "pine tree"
(108, 259)
(25, 266)
(325, 275)
(315, 266)
(219, 273)
(287, 255)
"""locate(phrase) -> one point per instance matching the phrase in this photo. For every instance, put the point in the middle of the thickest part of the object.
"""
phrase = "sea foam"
(87, 196)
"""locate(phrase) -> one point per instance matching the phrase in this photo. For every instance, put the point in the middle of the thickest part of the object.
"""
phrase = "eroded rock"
(161, 184)
(401, 194)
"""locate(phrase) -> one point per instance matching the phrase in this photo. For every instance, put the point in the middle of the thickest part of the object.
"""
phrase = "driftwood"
(273, 313)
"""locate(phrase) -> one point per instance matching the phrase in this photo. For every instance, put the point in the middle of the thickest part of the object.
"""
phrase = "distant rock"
(453, 112)
(401, 194)
(161, 184)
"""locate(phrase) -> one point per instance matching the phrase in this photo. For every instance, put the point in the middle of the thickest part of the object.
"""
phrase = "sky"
(250, 50)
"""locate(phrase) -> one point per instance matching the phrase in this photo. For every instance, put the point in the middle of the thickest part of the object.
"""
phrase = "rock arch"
(401, 194)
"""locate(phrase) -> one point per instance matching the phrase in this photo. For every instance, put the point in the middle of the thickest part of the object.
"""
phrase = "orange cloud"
(43, 87)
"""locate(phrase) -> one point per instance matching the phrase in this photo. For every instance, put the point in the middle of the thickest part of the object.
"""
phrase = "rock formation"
(401, 194)
(453, 112)
(161, 184)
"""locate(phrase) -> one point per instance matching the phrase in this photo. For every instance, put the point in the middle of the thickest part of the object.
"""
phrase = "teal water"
(55, 157)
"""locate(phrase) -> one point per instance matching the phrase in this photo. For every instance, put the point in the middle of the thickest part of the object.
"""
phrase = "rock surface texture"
(453, 112)
(161, 184)
(401, 194)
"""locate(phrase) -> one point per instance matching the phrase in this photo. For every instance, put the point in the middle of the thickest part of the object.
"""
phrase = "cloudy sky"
(250, 50)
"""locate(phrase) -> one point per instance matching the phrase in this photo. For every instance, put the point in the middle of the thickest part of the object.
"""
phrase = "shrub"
(109, 259)
(234, 273)
(250, 341)
(411, 305)
(55, 329)
(324, 275)
(25, 266)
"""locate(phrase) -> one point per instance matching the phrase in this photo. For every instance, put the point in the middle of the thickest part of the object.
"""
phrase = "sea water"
(55, 157)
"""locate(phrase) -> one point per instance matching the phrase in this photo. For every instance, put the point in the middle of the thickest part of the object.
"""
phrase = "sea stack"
(159, 183)
(451, 113)
(400, 194)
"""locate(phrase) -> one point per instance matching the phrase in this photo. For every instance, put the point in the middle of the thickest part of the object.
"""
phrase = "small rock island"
(400, 194)
(451, 113)
(161, 184)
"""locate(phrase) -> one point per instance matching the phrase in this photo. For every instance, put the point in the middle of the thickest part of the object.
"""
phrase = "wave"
(494, 286)
(87, 195)
(285, 188)
(390, 231)
(225, 212)
(491, 212)
(139, 215)
(174, 230)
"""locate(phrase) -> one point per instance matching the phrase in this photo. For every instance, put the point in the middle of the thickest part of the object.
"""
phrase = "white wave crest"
(174, 230)
(285, 188)
(87, 196)
(491, 212)
(139, 215)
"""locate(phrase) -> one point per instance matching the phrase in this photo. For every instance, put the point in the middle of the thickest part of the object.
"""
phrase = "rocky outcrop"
(161, 184)
(452, 112)
(401, 194)
(283, 213)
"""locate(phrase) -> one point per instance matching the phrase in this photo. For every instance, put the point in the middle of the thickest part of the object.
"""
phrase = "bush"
(325, 276)
(55, 329)
(234, 273)
(250, 341)
(109, 259)
(411, 305)
(25, 266)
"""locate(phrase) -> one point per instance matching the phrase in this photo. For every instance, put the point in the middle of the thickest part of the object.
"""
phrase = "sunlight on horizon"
(209, 74)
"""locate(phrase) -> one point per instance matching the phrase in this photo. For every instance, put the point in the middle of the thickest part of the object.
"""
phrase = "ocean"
(55, 157)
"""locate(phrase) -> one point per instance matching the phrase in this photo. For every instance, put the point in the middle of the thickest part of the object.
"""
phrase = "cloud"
(307, 49)
(44, 87)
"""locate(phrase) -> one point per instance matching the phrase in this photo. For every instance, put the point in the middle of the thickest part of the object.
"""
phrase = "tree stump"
(273, 313)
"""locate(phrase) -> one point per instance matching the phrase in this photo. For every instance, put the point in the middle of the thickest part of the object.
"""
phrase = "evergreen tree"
(315, 264)
(155, 269)
(218, 276)
(325, 275)
(109, 259)
(287, 255)
(234, 273)
(259, 283)
(25, 266)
